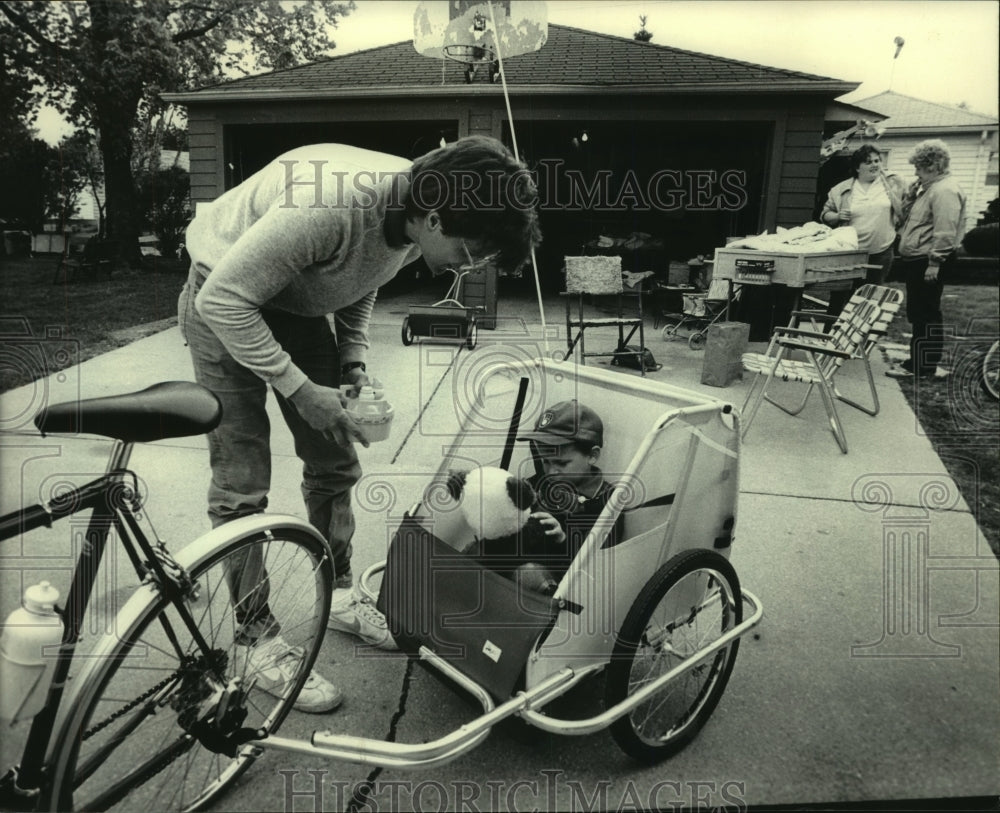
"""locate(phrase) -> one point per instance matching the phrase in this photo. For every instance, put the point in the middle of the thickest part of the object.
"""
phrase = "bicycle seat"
(171, 409)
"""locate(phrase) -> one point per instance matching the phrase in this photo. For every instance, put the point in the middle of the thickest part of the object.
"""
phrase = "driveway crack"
(364, 789)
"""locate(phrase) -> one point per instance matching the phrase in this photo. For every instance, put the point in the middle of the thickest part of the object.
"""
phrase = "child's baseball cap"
(567, 422)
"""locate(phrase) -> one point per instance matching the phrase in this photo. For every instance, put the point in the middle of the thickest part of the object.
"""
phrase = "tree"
(164, 196)
(38, 182)
(81, 150)
(103, 62)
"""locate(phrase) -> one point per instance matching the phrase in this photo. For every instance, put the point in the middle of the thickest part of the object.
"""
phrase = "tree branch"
(193, 33)
(24, 25)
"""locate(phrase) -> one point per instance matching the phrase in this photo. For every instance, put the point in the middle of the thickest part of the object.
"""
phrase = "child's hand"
(551, 525)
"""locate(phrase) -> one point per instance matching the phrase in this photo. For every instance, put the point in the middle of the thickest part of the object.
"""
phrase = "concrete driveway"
(875, 674)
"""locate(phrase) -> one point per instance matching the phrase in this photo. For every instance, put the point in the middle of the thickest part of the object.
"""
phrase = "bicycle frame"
(114, 501)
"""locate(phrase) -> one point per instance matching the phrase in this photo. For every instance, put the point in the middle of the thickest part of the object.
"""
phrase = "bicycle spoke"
(144, 750)
(122, 788)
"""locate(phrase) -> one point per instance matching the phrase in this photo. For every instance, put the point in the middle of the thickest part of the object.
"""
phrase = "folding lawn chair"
(852, 335)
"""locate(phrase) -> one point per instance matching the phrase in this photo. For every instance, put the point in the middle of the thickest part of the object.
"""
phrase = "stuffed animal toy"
(497, 506)
(494, 502)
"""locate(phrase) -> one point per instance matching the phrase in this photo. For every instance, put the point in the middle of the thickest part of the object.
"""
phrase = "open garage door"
(251, 146)
(672, 190)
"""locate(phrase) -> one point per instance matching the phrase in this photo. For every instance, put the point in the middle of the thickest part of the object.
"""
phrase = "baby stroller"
(700, 311)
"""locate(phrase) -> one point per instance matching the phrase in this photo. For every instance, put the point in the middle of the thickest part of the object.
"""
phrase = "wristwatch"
(352, 365)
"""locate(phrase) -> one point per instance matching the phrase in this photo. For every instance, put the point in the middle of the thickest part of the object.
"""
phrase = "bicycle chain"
(131, 705)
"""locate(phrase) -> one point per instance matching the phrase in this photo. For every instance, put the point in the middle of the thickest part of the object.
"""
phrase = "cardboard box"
(724, 349)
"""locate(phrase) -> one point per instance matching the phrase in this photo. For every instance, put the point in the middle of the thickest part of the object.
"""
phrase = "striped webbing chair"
(852, 335)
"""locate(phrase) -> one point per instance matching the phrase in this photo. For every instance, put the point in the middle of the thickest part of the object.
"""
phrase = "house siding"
(206, 154)
(799, 167)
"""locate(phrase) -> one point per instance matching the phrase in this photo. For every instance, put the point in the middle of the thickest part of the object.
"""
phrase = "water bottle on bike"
(25, 667)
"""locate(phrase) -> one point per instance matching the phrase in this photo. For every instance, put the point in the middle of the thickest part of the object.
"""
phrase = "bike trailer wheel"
(688, 604)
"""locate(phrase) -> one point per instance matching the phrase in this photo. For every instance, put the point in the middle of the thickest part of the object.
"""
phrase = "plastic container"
(372, 413)
(28, 651)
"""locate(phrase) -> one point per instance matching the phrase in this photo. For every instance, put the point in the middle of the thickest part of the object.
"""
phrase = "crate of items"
(793, 268)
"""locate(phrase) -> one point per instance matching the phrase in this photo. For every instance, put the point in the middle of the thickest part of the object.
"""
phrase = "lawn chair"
(602, 276)
(852, 335)
(96, 259)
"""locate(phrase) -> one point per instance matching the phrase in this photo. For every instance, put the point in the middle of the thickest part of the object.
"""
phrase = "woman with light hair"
(930, 236)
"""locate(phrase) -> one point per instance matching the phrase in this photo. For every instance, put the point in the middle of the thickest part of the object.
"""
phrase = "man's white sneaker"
(274, 663)
(359, 617)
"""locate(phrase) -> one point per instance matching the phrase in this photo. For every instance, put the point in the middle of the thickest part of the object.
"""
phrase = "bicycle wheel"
(130, 738)
(687, 605)
(991, 370)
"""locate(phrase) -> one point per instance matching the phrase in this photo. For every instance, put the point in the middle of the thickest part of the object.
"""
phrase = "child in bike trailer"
(570, 494)
(316, 232)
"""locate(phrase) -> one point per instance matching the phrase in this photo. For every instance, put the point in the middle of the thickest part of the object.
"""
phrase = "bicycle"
(164, 713)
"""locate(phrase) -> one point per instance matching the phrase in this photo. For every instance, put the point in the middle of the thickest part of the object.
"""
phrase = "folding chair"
(602, 276)
(94, 259)
(852, 335)
(890, 307)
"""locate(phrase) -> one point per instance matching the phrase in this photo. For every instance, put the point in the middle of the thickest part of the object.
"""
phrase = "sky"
(950, 53)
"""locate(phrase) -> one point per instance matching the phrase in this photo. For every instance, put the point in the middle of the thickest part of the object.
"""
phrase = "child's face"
(564, 463)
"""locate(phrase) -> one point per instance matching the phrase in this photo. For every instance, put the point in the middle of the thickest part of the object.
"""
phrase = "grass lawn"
(961, 421)
(59, 325)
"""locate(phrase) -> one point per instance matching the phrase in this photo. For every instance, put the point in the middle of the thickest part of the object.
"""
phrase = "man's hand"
(356, 378)
(551, 525)
(323, 409)
(844, 216)
(931, 274)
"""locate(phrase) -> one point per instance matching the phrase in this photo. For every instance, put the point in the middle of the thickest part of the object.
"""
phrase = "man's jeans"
(240, 453)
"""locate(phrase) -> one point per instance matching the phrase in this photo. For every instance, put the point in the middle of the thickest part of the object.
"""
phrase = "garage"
(648, 151)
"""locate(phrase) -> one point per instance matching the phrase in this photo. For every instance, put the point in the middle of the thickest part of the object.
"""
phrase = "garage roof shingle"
(570, 57)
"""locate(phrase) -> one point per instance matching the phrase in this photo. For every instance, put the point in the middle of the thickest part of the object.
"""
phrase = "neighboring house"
(87, 207)
(734, 146)
(971, 139)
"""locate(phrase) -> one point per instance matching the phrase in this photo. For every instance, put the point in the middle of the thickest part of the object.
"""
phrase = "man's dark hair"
(482, 194)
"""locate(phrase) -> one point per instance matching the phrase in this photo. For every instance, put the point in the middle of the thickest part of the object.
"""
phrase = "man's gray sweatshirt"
(304, 235)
